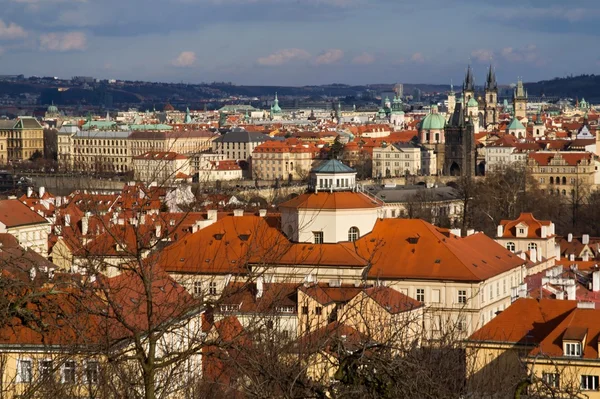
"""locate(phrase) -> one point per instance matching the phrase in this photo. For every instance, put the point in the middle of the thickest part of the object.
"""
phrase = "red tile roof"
(534, 226)
(14, 213)
(331, 200)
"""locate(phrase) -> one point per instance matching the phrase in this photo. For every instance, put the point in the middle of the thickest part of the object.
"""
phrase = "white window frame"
(420, 293)
(572, 349)
(318, 237)
(29, 378)
(589, 382)
(66, 367)
(86, 370)
(212, 288)
(462, 297)
(552, 380)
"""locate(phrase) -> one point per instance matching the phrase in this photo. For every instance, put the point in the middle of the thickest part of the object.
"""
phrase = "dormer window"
(572, 349)
(521, 231)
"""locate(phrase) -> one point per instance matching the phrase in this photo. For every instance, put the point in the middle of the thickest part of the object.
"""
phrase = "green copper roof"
(515, 124)
(433, 122)
(472, 103)
(158, 126)
(333, 166)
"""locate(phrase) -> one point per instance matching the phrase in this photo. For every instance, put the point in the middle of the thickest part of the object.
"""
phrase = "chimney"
(552, 228)
(585, 239)
(456, 232)
(470, 232)
(212, 214)
(596, 280)
(572, 257)
(571, 292)
(85, 224)
(29, 192)
(58, 201)
(42, 191)
(262, 213)
(500, 231)
(238, 212)
(570, 237)
(158, 228)
(259, 287)
(533, 255)
(67, 219)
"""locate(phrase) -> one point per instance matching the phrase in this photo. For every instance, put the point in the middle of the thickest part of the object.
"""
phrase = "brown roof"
(328, 200)
(392, 300)
(14, 213)
(534, 226)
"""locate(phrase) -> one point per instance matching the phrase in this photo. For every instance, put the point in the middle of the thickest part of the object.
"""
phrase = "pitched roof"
(331, 200)
(413, 248)
(333, 166)
(534, 226)
(391, 300)
(571, 158)
(14, 213)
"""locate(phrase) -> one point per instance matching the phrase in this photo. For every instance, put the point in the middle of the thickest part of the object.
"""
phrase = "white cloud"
(283, 57)
(482, 55)
(69, 41)
(11, 31)
(185, 59)
(329, 57)
(364, 59)
(528, 54)
(418, 58)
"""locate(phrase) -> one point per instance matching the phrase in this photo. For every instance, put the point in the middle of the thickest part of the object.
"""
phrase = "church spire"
(469, 84)
(490, 83)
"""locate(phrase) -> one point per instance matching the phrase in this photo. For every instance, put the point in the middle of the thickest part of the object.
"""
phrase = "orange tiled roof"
(534, 226)
(14, 213)
(571, 158)
(331, 200)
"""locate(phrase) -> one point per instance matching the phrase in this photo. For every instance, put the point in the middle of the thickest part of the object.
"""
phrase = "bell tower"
(491, 99)
(520, 100)
(468, 86)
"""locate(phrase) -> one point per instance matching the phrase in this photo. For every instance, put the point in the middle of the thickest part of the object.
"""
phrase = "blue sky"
(298, 42)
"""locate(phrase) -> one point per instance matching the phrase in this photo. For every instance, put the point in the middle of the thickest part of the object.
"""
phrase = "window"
(510, 246)
(353, 234)
(318, 236)
(68, 372)
(462, 296)
(304, 309)
(589, 382)
(212, 288)
(24, 370)
(318, 310)
(552, 380)
(421, 294)
(531, 245)
(521, 231)
(269, 324)
(197, 288)
(491, 292)
(46, 368)
(461, 324)
(573, 349)
(497, 288)
(504, 286)
(92, 372)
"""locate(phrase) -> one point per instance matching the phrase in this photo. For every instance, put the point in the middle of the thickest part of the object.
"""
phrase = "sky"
(300, 42)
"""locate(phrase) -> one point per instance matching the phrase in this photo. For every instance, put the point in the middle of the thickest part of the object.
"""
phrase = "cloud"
(482, 55)
(283, 56)
(528, 54)
(184, 59)
(418, 58)
(68, 41)
(364, 59)
(329, 57)
(11, 31)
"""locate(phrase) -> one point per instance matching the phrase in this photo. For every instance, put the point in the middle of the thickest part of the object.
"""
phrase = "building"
(102, 151)
(238, 144)
(183, 142)
(520, 101)
(283, 160)
(222, 170)
(432, 134)
(527, 234)
(548, 347)
(507, 152)
(459, 147)
(566, 173)
(491, 100)
(29, 228)
(20, 139)
(401, 159)
(65, 146)
(160, 167)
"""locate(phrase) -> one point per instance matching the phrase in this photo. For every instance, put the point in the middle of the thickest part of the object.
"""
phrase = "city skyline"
(280, 42)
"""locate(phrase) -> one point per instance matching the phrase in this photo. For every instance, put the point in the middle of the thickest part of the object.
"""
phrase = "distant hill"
(587, 86)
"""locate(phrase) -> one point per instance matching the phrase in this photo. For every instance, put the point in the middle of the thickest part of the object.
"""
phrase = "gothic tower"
(468, 86)
(491, 99)
(459, 147)
(520, 100)
(451, 101)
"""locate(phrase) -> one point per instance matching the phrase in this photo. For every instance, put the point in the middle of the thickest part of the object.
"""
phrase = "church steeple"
(490, 83)
(469, 84)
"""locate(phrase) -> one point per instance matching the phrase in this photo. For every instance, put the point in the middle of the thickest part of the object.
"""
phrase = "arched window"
(564, 180)
(531, 245)
(353, 234)
(564, 192)
(510, 246)
(551, 180)
(437, 137)
(557, 179)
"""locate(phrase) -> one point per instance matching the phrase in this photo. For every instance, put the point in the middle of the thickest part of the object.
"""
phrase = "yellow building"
(565, 173)
(21, 138)
(546, 348)
(275, 159)
(101, 151)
